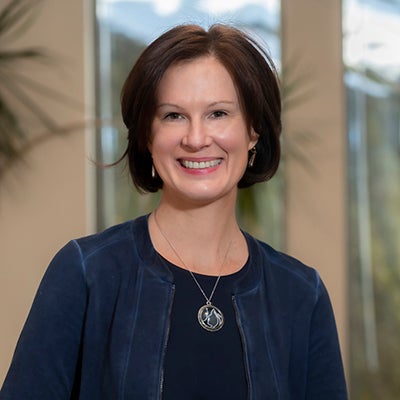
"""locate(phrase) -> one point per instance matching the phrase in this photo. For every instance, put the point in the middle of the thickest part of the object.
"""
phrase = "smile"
(200, 164)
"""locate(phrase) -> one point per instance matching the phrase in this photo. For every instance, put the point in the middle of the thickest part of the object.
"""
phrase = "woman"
(182, 304)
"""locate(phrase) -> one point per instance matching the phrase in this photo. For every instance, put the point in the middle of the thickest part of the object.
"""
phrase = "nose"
(196, 136)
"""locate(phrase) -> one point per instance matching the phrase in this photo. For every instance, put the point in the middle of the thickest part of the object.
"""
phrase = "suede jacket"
(98, 327)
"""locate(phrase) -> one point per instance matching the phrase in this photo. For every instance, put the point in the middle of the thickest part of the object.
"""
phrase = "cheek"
(151, 138)
(237, 140)
(161, 144)
(155, 136)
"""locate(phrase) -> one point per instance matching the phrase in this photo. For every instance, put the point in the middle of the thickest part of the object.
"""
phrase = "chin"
(208, 196)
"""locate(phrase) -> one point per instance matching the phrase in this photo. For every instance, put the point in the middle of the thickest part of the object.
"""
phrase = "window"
(372, 61)
(124, 29)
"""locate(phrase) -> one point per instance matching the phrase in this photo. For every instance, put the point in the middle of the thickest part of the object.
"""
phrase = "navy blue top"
(202, 364)
(99, 326)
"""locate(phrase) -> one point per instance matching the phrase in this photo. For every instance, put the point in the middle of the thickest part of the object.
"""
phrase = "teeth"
(201, 164)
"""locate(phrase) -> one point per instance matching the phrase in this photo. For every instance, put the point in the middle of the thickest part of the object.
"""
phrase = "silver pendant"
(210, 317)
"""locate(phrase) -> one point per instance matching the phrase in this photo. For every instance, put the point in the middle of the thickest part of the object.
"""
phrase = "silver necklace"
(209, 316)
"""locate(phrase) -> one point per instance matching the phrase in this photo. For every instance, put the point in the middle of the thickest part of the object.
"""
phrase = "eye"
(173, 116)
(218, 114)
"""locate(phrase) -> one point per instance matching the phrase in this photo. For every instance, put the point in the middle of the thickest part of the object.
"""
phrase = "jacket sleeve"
(325, 374)
(45, 360)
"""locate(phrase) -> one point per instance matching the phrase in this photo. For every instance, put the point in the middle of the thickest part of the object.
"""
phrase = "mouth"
(200, 164)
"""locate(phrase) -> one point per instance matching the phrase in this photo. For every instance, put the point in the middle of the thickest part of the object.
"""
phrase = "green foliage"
(18, 91)
(379, 248)
(13, 19)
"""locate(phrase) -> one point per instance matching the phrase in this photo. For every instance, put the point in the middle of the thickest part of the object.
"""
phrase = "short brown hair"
(252, 72)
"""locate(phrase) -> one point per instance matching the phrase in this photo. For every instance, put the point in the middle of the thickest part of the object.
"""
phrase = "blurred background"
(335, 203)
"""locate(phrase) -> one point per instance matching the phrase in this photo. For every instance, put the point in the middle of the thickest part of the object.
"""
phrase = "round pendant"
(210, 318)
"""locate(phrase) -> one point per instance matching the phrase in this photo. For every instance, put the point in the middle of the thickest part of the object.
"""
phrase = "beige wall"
(316, 193)
(43, 204)
(48, 202)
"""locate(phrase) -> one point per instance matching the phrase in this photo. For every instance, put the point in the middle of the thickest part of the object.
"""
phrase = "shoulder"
(104, 240)
(113, 249)
(112, 239)
(288, 265)
(284, 271)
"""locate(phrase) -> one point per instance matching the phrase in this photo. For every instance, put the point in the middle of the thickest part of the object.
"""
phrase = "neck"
(201, 236)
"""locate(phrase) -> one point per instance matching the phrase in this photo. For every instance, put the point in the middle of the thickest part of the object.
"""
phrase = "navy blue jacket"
(98, 327)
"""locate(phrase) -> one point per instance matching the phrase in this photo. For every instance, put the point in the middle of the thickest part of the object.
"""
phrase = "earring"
(153, 171)
(253, 156)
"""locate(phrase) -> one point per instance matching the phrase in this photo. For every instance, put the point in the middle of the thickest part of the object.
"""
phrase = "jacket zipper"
(244, 347)
(166, 343)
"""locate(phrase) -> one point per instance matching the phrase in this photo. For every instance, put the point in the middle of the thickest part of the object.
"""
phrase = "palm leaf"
(24, 54)
(16, 88)
(44, 90)
(16, 16)
(296, 87)
(23, 97)
(10, 134)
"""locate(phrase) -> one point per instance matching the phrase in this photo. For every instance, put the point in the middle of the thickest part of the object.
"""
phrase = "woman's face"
(200, 140)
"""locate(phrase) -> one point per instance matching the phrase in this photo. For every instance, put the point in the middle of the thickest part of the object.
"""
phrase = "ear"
(253, 138)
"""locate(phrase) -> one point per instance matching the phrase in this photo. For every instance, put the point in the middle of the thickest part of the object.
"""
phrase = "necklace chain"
(208, 299)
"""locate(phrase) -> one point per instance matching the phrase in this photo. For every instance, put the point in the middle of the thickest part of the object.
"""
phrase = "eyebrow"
(213, 104)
